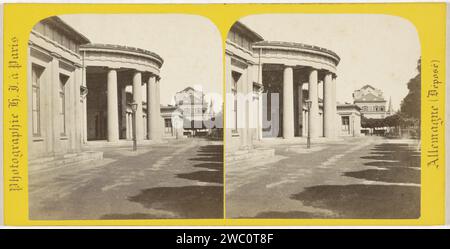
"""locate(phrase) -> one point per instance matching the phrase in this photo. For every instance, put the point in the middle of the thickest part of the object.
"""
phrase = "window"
(345, 123)
(36, 73)
(62, 103)
(167, 126)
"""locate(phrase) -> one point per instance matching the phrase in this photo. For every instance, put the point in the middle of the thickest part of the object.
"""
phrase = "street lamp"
(134, 108)
(308, 139)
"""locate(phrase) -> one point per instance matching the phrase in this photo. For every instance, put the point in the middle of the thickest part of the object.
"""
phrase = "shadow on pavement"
(209, 157)
(402, 155)
(394, 175)
(186, 201)
(397, 163)
(364, 201)
(191, 201)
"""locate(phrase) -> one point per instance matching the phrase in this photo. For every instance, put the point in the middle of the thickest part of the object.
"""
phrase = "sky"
(190, 45)
(379, 50)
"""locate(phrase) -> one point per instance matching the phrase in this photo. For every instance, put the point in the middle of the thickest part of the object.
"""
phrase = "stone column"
(260, 114)
(159, 126)
(77, 105)
(328, 106)
(333, 107)
(113, 112)
(313, 120)
(243, 110)
(123, 111)
(152, 121)
(137, 97)
(84, 109)
(54, 129)
(300, 108)
(288, 103)
(260, 106)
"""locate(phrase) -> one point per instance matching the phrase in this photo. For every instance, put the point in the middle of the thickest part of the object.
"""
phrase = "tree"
(393, 120)
(410, 106)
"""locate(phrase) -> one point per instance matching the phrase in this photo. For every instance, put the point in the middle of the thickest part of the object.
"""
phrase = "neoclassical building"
(55, 76)
(277, 78)
(110, 69)
(77, 92)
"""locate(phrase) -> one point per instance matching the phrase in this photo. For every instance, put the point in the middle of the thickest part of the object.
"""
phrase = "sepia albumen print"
(323, 117)
(123, 116)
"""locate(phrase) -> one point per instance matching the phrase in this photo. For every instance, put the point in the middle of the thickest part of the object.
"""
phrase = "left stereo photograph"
(125, 118)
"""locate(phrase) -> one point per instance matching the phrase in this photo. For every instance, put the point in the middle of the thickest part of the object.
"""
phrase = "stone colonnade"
(153, 106)
(125, 66)
(329, 102)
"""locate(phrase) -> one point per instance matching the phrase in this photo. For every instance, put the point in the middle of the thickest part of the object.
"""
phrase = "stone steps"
(40, 165)
(121, 143)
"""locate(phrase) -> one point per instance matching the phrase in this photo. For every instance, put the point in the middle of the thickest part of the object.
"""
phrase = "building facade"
(192, 105)
(372, 102)
(276, 79)
(77, 91)
(55, 76)
(349, 120)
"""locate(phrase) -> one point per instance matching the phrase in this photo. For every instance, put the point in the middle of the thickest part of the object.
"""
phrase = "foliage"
(410, 106)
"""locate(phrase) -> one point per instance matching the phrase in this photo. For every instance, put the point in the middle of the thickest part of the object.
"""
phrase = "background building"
(193, 107)
(372, 102)
(349, 122)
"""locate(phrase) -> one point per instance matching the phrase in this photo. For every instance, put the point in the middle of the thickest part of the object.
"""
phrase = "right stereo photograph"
(322, 117)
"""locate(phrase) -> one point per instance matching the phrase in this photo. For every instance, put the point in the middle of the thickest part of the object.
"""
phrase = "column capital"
(288, 66)
(323, 73)
(112, 68)
(149, 75)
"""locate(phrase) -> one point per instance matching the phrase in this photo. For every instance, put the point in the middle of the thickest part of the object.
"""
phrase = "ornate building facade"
(372, 102)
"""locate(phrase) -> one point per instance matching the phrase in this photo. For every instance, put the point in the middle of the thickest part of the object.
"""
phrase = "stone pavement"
(179, 179)
(365, 177)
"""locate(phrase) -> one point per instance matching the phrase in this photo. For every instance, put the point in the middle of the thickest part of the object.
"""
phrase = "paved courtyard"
(365, 177)
(179, 179)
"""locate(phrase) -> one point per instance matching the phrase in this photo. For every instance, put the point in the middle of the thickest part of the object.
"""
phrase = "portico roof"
(298, 46)
(120, 48)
